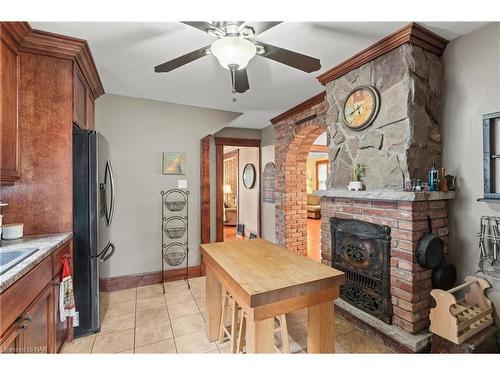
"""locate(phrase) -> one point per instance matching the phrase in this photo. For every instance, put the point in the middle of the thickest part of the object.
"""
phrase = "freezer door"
(106, 188)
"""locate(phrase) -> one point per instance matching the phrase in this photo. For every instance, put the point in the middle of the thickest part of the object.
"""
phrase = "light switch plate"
(182, 184)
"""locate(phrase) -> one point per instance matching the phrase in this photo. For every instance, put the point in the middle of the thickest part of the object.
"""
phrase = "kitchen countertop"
(46, 244)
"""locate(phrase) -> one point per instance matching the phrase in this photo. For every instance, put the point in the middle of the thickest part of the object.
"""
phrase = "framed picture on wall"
(174, 163)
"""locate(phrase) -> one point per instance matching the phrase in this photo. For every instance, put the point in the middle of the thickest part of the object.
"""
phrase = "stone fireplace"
(405, 215)
(401, 144)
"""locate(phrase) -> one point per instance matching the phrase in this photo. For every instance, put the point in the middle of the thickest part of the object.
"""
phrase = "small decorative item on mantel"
(358, 172)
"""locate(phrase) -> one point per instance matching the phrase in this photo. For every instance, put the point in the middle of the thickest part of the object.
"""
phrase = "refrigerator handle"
(104, 256)
(109, 172)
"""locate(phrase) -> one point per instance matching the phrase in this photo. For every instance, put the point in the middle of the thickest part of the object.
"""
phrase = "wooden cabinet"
(9, 101)
(83, 101)
(11, 342)
(36, 324)
(29, 319)
(31, 332)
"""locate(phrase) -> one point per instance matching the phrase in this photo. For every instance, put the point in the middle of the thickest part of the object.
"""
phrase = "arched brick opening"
(293, 143)
(295, 186)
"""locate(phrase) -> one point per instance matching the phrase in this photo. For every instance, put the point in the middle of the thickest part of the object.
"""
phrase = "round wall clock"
(361, 107)
(249, 176)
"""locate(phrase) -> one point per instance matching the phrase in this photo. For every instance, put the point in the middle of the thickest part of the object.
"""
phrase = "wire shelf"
(174, 228)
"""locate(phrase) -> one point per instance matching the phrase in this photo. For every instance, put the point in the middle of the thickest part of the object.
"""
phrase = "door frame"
(220, 142)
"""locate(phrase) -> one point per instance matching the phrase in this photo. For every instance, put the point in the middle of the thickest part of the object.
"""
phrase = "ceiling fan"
(236, 46)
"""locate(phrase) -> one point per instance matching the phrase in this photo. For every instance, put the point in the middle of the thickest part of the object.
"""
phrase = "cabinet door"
(37, 323)
(90, 111)
(9, 81)
(79, 98)
(11, 342)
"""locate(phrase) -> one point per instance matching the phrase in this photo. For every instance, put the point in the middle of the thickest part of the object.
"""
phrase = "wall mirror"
(249, 176)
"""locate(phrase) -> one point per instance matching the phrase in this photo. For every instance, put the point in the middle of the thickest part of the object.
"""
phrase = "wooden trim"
(318, 162)
(412, 33)
(219, 198)
(17, 31)
(231, 154)
(66, 47)
(319, 148)
(205, 214)
(56, 45)
(306, 104)
(142, 279)
(241, 142)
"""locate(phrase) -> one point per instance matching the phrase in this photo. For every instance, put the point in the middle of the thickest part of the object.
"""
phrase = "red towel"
(66, 296)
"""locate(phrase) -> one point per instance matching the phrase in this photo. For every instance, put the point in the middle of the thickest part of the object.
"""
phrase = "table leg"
(321, 328)
(260, 336)
(214, 305)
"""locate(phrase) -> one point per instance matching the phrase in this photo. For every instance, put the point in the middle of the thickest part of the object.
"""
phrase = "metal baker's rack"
(489, 244)
(174, 231)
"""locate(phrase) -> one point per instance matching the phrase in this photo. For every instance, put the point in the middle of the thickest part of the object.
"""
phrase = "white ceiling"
(126, 52)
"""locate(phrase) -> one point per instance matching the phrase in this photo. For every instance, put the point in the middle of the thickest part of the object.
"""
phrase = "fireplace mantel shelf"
(387, 195)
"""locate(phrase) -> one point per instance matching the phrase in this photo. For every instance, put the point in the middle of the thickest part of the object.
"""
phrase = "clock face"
(361, 107)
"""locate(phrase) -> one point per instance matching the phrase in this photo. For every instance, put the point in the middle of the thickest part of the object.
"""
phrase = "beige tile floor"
(144, 320)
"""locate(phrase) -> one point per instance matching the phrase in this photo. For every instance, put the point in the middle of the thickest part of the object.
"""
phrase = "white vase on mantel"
(355, 186)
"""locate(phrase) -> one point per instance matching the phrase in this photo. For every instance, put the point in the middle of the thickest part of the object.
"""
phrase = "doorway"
(317, 169)
(237, 188)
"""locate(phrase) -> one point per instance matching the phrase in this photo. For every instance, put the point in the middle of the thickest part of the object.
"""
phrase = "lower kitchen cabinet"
(31, 332)
(36, 324)
(37, 329)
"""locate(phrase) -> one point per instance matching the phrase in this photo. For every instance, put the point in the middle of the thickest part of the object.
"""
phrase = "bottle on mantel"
(433, 178)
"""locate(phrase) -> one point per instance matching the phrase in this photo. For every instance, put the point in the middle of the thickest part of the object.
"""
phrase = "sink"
(9, 258)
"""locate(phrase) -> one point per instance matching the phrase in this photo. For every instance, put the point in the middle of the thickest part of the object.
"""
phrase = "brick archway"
(293, 143)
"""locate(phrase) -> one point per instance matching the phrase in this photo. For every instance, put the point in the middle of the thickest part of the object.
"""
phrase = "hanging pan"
(430, 250)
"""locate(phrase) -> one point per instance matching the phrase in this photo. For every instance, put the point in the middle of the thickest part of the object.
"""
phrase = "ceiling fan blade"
(294, 59)
(202, 25)
(182, 60)
(241, 81)
(260, 27)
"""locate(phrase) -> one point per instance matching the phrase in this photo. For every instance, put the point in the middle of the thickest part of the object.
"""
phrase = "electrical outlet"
(76, 319)
(182, 184)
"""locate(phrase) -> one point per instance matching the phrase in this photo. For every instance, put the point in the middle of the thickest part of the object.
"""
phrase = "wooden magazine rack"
(458, 320)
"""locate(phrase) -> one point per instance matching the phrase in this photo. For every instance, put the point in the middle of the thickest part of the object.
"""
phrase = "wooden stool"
(282, 328)
(228, 303)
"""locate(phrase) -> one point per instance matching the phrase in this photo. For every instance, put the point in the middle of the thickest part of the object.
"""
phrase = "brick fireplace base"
(406, 214)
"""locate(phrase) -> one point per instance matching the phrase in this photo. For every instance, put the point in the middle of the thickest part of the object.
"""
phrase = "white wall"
(248, 202)
(471, 88)
(138, 132)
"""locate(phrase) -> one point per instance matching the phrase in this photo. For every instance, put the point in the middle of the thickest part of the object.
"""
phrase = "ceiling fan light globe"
(233, 50)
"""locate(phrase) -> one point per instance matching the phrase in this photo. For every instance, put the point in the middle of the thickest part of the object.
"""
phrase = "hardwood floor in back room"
(314, 239)
(144, 320)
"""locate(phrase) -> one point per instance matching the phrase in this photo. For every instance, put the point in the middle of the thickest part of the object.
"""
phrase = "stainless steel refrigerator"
(93, 208)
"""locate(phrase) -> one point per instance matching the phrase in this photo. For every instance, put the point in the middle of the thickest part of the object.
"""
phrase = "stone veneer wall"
(404, 139)
(410, 283)
(292, 146)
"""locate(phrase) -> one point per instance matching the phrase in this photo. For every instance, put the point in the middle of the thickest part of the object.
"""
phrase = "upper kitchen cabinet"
(9, 103)
(46, 116)
(83, 101)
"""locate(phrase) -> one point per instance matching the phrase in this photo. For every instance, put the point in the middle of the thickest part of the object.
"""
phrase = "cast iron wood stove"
(362, 251)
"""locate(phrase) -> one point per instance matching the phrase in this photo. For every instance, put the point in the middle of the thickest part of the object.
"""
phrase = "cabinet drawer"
(20, 295)
(57, 256)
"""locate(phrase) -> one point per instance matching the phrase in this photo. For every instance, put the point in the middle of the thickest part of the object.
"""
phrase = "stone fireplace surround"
(406, 214)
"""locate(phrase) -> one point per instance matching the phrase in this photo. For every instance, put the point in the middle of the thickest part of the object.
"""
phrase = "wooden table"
(267, 280)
